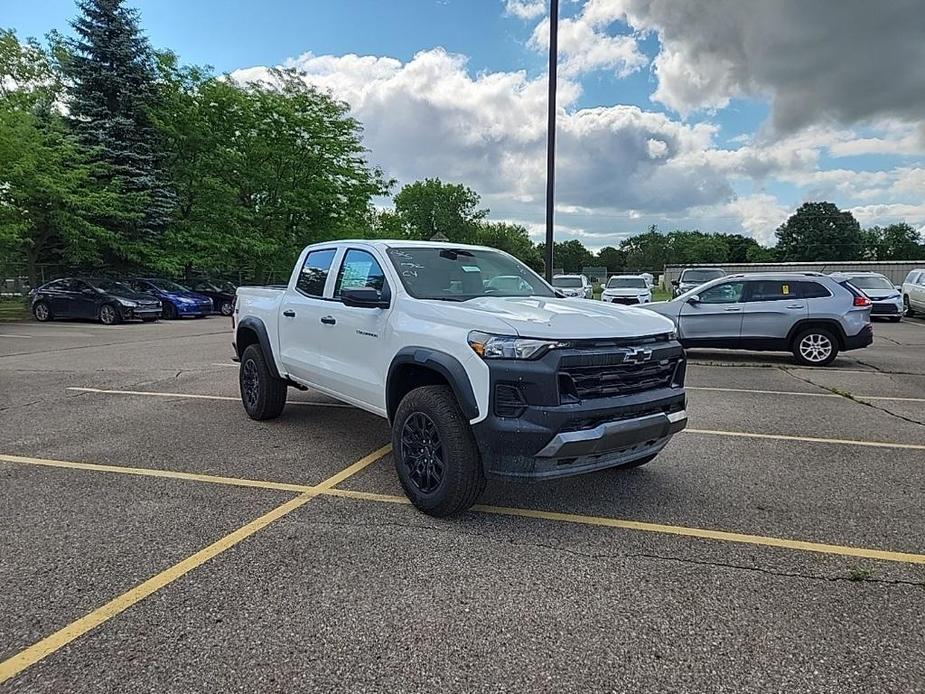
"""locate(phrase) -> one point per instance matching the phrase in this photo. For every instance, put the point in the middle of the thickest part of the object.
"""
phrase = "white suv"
(913, 291)
(481, 369)
(573, 286)
(627, 289)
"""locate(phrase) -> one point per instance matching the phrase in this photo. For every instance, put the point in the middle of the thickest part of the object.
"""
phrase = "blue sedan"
(178, 301)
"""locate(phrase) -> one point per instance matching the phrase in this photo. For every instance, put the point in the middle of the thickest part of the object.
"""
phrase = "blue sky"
(715, 114)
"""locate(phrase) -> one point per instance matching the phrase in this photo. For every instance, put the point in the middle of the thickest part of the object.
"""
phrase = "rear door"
(353, 361)
(772, 307)
(716, 318)
(300, 321)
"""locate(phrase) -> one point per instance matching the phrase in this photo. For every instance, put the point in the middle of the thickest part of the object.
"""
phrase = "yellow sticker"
(785, 289)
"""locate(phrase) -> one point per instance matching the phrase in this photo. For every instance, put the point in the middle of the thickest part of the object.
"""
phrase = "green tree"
(50, 192)
(570, 256)
(612, 258)
(112, 91)
(820, 231)
(431, 207)
(511, 238)
(650, 250)
(259, 170)
(895, 242)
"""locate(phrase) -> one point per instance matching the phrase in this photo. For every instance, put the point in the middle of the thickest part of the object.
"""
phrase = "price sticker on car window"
(785, 289)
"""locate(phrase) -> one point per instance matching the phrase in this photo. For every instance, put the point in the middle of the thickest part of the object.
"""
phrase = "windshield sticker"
(470, 268)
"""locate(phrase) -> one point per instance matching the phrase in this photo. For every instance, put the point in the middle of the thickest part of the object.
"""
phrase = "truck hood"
(557, 318)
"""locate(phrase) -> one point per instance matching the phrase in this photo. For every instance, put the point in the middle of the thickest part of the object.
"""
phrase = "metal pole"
(551, 133)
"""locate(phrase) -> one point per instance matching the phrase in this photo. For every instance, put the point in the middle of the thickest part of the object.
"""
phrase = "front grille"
(884, 308)
(604, 380)
(625, 300)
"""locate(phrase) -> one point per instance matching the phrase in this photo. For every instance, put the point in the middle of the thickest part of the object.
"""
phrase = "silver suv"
(913, 291)
(810, 314)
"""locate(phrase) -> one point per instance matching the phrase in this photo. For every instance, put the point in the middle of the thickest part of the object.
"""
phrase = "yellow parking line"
(809, 439)
(154, 472)
(196, 396)
(13, 666)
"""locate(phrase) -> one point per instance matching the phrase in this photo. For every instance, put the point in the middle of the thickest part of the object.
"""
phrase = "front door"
(716, 318)
(355, 362)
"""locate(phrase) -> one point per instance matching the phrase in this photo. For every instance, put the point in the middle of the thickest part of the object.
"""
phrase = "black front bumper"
(557, 434)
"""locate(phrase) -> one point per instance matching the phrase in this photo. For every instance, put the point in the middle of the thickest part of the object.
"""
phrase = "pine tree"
(112, 92)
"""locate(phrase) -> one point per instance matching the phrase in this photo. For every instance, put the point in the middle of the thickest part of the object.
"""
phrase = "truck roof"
(396, 243)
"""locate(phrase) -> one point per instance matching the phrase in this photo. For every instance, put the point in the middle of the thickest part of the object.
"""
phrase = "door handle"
(734, 308)
(795, 306)
(328, 320)
(289, 313)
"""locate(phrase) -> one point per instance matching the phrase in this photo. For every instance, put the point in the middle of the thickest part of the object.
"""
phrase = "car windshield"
(205, 287)
(701, 276)
(112, 287)
(626, 283)
(871, 282)
(452, 274)
(566, 282)
(168, 286)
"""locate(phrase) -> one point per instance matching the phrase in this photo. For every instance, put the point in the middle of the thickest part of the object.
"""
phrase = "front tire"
(815, 347)
(226, 309)
(42, 312)
(109, 315)
(909, 312)
(436, 457)
(262, 394)
(169, 311)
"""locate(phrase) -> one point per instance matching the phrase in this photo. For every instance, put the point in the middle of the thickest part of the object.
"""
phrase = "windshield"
(626, 283)
(701, 276)
(168, 286)
(462, 274)
(112, 287)
(567, 282)
(871, 282)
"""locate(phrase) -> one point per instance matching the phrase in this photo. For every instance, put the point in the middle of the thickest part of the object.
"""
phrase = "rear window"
(627, 283)
(566, 282)
(314, 273)
(870, 282)
(772, 290)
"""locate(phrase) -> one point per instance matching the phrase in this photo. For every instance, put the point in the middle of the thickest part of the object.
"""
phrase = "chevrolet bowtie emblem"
(637, 356)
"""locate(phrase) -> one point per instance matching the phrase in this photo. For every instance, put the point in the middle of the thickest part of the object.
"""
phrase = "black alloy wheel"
(226, 309)
(422, 452)
(250, 384)
(109, 315)
(41, 312)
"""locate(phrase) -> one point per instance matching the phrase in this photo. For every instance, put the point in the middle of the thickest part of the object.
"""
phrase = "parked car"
(222, 299)
(178, 301)
(627, 289)
(105, 300)
(573, 286)
(886, 298)
(812, 315)
(913, 291)
(514, 383)
(693, 277)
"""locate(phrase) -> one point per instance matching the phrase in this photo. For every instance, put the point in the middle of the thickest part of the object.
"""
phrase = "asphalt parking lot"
(157, 540)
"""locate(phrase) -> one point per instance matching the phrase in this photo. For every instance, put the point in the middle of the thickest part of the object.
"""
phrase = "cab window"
(813, 290)
(314, 273)
(359, 270)
(725, 293)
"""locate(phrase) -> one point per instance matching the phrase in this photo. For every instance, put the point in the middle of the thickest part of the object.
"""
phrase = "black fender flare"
(255, 325)
(828, 323)
(444, 364)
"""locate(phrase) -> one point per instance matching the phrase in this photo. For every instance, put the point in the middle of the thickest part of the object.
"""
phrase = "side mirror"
(898, 287)
(559, 293)
(674, 283)
(695, 299)
(363, 297)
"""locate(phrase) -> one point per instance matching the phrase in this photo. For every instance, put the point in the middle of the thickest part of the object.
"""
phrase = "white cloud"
(525, 9)
(585, 45)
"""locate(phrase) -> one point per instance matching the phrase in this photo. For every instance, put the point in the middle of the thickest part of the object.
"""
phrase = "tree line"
(115, 155)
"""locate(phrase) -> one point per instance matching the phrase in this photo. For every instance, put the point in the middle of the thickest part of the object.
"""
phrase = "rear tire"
(42, 312)
(169, 311)
(436, 457)
(909, 312)
(815, 347)
(262, 394)
(226, 309)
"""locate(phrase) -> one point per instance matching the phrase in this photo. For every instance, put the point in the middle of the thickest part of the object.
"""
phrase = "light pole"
(551, 133)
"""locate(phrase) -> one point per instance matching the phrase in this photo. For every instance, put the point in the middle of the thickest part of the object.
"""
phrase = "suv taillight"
(861, 301)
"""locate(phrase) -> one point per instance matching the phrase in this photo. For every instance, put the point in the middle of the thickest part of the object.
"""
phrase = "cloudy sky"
(722, 115)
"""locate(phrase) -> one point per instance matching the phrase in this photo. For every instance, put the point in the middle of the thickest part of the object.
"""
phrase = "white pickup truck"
(481, 369)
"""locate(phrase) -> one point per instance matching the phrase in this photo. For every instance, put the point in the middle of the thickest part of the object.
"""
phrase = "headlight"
(508, 347)
(673, 335)
(128, 304)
